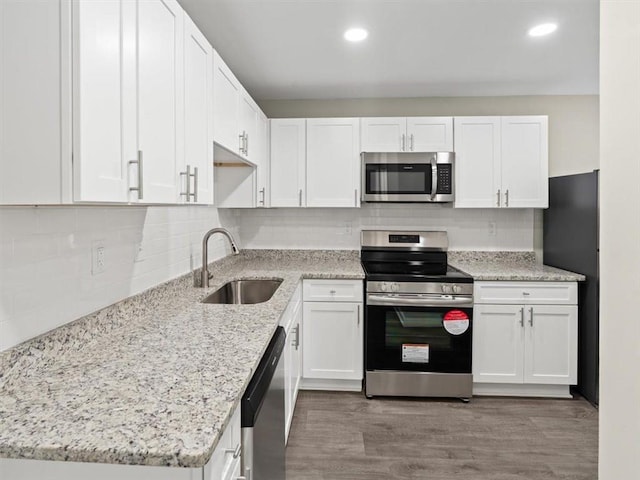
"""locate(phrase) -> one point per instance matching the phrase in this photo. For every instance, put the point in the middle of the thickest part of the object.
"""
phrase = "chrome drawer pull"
(235, 451)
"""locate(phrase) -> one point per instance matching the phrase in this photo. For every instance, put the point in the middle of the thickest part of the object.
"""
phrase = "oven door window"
(394, 179)
(415, 339)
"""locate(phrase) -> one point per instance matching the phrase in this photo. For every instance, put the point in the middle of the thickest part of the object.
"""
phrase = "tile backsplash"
(47, 275)
(307, 228)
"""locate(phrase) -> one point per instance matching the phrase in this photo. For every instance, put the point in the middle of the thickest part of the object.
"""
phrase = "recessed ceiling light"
(543, 29)
(356, 34)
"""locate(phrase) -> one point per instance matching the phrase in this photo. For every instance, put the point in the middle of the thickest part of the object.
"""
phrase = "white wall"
(620, 240)
(573, 119)
(45, 259)
(339, 228)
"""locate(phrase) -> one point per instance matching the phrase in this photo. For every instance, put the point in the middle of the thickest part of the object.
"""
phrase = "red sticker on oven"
(456, 322)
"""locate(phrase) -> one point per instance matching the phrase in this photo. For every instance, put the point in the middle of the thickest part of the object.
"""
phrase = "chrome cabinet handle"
(262, 196)
(187, 174)
(531, 316)
(498, 198)
(139, 163)
(434, 177)
(332, 292)
(297, 336)
(300, 198)
(403, 142)
(241, 148)
(526, 294)
(246, 144)
(358, 314)
(355, 197)
(506, 198)
(522, 317)
(235, 451)
(412, 142)
(195, 184)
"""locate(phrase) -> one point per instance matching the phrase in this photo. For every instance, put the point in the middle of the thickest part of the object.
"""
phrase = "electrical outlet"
(138, 256)
(493, 229)
(98, 257)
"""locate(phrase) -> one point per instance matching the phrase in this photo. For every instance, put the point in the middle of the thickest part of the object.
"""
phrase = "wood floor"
(340, 436)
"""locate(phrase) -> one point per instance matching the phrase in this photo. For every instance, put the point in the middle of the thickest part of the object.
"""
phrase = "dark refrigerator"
(571, 243)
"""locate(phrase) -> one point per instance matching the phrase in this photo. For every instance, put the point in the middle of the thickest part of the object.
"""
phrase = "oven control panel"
(451, 288)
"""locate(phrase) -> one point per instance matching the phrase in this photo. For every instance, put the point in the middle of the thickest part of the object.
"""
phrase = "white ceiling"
(294, 49)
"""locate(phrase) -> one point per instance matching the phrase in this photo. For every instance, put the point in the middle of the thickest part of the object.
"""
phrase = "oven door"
(418, 338)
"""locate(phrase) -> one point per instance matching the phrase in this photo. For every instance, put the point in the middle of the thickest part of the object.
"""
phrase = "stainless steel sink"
(244, 292)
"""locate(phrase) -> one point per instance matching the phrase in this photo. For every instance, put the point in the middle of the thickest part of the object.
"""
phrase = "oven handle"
(410, 300)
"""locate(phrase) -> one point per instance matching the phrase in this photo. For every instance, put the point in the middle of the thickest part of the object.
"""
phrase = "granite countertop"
(509, 266)
(154, 379)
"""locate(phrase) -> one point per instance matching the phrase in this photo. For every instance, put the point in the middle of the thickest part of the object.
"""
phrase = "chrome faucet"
(205, 252)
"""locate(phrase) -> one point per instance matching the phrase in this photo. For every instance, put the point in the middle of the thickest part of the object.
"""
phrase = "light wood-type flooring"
(344, 436)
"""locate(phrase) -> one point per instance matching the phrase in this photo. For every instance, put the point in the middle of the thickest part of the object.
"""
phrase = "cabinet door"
(226, 105)
(161, 98)
(430, 134)
(296, 366)
(261, 144)
(384, 134)
(333, 159)
(248, 127)
(498, 335)
(35, 117)
(551, 345)
(332, 339)
(198, 113)
(288, 382)
(288, 144)
(477, 163)
(525, 162)
(103, 120)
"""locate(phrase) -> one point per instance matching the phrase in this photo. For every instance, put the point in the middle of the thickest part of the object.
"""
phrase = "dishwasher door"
(263, 445)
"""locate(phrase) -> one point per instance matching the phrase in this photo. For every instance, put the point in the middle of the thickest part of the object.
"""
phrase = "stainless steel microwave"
(408, 177)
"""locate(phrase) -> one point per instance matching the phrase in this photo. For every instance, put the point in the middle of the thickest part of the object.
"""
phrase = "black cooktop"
(452, 275)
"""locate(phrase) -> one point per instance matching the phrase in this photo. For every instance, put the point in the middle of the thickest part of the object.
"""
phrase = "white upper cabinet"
(236, 114)
(35, 138)
(226, 106)
(477, 167)
(161, 98)
(430, 134)
(384, 134)
(288, 152)
(501, 162)
(407, 134)
(262, 171)
(333, 160)
(198, 116)
(525, 161)
(104, 115)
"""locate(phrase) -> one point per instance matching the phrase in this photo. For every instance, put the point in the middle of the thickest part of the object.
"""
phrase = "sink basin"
(244, 292)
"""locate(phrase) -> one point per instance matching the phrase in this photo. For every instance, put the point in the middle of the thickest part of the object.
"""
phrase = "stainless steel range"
(418, 317)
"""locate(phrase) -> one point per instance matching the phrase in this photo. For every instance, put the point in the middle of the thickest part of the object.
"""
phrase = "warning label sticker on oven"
(456, 322)
(415, 353)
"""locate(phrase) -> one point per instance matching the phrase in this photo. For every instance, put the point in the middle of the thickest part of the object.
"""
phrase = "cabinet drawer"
(525, 293)
(332, 290)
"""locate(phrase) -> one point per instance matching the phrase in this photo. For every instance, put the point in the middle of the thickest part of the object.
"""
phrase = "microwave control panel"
(444, 178)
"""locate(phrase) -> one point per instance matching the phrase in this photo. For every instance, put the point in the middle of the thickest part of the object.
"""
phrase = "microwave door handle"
(434, 177)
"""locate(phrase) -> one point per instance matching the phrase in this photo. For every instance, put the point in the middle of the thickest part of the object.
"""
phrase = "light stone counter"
(509, 266)
(154, 379)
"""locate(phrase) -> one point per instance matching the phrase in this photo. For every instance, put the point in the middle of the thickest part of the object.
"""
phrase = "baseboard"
(521, 390)
(329, 384)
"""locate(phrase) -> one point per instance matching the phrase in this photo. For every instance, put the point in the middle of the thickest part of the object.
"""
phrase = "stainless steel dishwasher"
(263, 447)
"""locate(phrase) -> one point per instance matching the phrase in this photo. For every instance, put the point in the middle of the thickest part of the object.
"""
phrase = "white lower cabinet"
(223, 465)
(526, 348)
(291, 321)
(333, 341)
